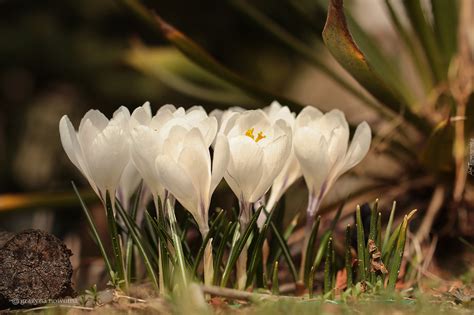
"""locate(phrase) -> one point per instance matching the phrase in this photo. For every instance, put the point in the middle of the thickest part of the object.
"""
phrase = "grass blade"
(328, 268)
(215, 226)
(285, 251)
(361, 247)
(256, 257)
(177, 243)
(239, 247)
(220, 251)
(396, 261)
(348, 256)
(321, 250)
(311, 249)
(115, 239)
(95, 234)
(140, 245)
(389, 225)
(275, 285)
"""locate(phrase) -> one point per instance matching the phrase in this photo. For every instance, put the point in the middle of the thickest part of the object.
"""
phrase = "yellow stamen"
(260, 135)
(249, 133)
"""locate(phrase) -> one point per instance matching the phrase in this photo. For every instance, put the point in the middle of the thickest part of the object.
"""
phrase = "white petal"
(245, 166)
(178, 183)
(96, 118)
(141, 115)
(310, 149)
(220, 161)
(107, 157)
(275, 154)
(144, 150)
(195, 159)
(308, 114)
(359, 146)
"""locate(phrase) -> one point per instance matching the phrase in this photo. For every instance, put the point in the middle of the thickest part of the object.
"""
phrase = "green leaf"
(275, 285)
(348, 256)
(239, 246)
(321, 251)
(342, 46)
(361, 248)
(396, 261)
(256, 256)
(286, 251)
(389, 225)
(414, 49)
(445, 16)
(214, 227)
(95, 234)
(172, 68)
(140, 245)
(310, 249)
(300, 48)
(231, 228)
(328, 268)
(115, 239)
(177, 243)
(201, 57)
(426, 36)
(384, 66)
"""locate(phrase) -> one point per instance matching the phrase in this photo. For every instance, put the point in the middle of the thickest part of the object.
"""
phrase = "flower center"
(260, 135)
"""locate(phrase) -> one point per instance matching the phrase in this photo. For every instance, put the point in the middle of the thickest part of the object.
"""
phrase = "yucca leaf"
(172, 68)
(198, 55)
(414, 50)
(384, 66)
(342, 46)
(425, 34)
(299, 47)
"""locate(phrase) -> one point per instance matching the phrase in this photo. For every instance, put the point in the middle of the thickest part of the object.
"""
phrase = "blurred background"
(65, 57)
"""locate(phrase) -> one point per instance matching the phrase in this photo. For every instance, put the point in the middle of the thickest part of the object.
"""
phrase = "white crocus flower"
(149, 133)
(128, 185)
(258, 150)
(321, 145)
(291, 171)
(184, 168)
(99, 149)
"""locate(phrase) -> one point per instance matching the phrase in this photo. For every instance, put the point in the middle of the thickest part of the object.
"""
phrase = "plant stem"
(244, 219)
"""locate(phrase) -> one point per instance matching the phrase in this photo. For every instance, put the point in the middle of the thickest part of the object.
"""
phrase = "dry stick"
(433, 209)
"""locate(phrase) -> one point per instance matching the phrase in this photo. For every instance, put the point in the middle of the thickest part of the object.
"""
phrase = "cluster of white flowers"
(253, 150)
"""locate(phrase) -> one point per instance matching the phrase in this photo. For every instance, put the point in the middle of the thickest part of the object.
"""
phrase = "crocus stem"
(160, 261)
(242, 260)
(313, 203)
(208, 264)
